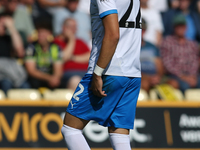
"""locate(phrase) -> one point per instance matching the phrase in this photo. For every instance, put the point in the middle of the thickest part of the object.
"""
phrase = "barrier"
(158, 125)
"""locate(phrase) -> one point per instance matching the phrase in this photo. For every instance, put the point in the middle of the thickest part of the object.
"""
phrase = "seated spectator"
(151, 64)
(2, 3)
(180, 57)
(38, 12)
(82, 19)
(174, 4)
(153, 18)
(22, 19)
(75, 54)
(192, 20)
(43, 61)
(12, 75)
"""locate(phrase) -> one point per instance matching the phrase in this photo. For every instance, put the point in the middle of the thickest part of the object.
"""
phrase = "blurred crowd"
(46, 43)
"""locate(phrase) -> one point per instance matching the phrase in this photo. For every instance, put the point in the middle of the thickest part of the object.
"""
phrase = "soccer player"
(109, 91)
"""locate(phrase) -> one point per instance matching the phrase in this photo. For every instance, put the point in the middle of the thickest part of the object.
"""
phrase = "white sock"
(74, 138)
(120, 141)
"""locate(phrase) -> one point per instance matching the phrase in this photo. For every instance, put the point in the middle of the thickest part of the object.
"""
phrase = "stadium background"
(166, 118)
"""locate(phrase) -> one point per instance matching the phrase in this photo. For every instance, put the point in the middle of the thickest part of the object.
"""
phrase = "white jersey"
(126, 60)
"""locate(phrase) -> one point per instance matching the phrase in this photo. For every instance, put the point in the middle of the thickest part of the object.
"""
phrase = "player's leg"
(122, 118)
(72, 133)
(119, 138)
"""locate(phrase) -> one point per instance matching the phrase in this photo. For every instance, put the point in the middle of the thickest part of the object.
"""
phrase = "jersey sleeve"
(106, 7)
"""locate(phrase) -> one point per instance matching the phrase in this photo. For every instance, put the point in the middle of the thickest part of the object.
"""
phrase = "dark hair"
(4, 14)
(44, 23)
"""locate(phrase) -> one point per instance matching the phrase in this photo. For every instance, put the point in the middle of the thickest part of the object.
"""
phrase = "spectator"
(159, 5)
(192, 20)
(43, 60)
(181, 57)
(82, 19)
(22, 19)
(174, 4)
(151, 64)
(75, 54)
(38, 12)
(2, 3)
(12, 75)
(154, 31)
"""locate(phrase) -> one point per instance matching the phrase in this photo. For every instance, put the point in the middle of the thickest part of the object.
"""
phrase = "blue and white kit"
(122, 77)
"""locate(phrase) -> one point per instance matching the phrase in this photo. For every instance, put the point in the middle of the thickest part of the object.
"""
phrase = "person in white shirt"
(154, 22)
(109, 91)
(159, 5)
(82, 19)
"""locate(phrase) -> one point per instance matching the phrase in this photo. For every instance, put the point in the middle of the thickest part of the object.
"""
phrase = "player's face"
(180, 30)
(43, 36)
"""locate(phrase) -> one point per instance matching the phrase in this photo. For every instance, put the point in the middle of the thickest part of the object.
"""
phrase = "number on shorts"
(75, 96)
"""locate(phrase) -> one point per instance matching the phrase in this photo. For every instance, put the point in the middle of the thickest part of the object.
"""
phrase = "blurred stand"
(82, 19)
(75, 54)
(151, 64)
(43, 59)
(12, 75)
(153, 19)
(181, 57)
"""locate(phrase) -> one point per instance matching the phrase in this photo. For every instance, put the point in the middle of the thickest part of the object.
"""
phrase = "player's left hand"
(96, 86)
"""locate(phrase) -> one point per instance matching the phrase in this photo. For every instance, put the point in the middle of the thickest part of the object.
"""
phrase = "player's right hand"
(96, 86)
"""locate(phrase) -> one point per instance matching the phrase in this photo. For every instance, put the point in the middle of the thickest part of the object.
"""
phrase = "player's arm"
(110, 40)
(109, 44)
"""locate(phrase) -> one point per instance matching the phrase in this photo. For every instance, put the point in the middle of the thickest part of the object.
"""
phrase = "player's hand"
(97, 85)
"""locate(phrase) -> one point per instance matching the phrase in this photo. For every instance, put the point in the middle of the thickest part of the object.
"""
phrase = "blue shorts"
(116, 110)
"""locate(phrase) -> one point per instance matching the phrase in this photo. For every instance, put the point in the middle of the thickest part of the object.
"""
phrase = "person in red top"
(75, 55)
